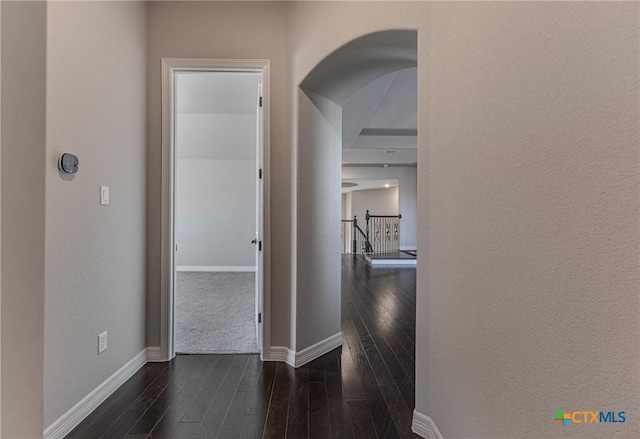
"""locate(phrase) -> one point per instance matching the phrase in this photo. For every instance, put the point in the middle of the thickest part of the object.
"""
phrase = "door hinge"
(260, 246)
(176, 247)
(260, 173)
(259, 317)
(260, 101)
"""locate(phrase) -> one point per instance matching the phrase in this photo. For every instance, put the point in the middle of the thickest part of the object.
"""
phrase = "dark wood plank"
(339, 416)
(316, 371)
(236, 415)
(362, 423)
(252, 374)
(276, 423)
(219, 407)
(319, 426)
(263, 390)
(199, 407)
(298, 416)
(171, 418)
(171, 395)
(253, 427)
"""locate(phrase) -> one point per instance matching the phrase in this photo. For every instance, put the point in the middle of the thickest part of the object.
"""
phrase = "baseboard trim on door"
(216, 268)
(297, 359)
(424, 426)
(72, 418)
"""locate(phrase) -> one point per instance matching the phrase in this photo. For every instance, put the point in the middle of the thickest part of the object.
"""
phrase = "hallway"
(363, 390)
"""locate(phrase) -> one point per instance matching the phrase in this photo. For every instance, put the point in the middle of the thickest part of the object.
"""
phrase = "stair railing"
(383, 233)
(354, 240)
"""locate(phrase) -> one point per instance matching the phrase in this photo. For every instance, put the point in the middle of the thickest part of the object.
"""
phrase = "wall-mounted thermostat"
(68, 163)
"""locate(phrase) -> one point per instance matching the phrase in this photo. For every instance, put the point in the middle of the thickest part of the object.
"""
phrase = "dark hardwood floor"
(363, 390)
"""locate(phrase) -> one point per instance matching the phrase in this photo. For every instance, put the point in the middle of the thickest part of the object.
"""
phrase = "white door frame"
(167, 286)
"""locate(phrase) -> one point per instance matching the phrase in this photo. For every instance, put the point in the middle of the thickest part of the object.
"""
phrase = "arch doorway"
(323, 98)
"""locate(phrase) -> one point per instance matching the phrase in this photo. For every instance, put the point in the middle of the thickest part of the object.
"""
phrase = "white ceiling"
(365, 184)
(382, 117)
(216, 115)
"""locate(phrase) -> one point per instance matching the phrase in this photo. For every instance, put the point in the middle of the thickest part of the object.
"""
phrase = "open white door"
(171, 67)
(259, 216)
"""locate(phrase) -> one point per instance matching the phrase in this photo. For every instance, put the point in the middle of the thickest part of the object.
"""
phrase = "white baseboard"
(392, 262)
(234, 268)
(154, 355)
(282, 354)
(70, 420)
(318, 350)
(408, 247)
(297, 359)
(424, 426)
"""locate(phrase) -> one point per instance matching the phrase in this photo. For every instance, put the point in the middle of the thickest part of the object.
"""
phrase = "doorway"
(215, 116)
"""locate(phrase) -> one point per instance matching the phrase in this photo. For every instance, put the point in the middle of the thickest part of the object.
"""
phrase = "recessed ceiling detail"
(380, 122)
(389, 132)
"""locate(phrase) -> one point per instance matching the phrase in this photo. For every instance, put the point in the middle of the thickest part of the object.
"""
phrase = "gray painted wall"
(533, 204)
(215, 212)
(318, 212)
(23, 216)
(95, 255)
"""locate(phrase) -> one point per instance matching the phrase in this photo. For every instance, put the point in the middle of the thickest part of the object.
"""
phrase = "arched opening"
(322, 98)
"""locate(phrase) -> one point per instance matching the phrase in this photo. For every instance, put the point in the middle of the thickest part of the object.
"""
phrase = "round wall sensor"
(68, 163)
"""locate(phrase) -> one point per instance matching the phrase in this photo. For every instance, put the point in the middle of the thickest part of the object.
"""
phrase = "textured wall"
(528, 206)
(236, 30)
(95, 255)
(531, 241)
(23, 224)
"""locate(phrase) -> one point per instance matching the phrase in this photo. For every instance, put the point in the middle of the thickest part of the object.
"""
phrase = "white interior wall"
(23, 54)
(215, 213)
(95, 255)
(407, 196)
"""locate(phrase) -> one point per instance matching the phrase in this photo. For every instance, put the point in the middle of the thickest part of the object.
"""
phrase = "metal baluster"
(355, 236)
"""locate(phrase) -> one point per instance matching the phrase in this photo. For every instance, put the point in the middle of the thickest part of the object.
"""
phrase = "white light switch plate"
(104, 195)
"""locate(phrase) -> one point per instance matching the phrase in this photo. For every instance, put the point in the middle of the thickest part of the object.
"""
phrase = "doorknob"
(254, 241)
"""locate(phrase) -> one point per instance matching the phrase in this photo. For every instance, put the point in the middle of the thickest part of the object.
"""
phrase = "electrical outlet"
(104, 195)
(102, 342)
